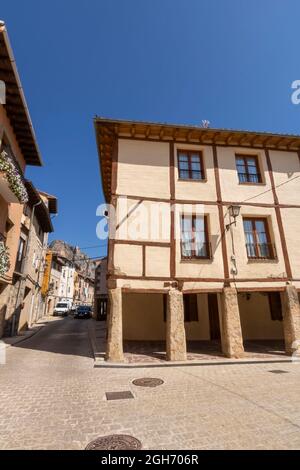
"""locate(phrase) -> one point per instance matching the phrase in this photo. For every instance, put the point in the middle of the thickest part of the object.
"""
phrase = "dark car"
(83, 311)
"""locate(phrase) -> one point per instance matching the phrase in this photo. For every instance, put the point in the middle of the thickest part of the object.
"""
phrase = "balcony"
(261, 251)
(5, 190)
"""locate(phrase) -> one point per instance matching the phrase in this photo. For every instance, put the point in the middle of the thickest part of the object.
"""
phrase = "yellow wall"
(256, 318)
(143, 318)
(143, 168)
(143, 171)
(286, 168)
(197, 190)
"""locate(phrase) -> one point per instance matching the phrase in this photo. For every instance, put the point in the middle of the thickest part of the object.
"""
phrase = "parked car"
(61, 309)
(83, 311)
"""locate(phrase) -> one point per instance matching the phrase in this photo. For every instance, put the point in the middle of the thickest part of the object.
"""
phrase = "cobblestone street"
(52, 397)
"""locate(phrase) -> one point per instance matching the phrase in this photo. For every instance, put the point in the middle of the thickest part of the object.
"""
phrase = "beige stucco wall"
(157, 261)
(142, 220)
(128, 259)
(291, 226)
(201, 268)
(143, 171)
(199, 330)
(197, 190)
(255, 268)
(143, 318)
(230, 188)
(256, 319)
(143, 168)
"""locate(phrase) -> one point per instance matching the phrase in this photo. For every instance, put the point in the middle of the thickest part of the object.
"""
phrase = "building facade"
(215, 253)
(18, 148)
(30, 264)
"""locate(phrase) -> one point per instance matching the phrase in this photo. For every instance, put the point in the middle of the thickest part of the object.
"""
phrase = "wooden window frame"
(189, 153)
(245, 157)
(271, 248)
(207, 241)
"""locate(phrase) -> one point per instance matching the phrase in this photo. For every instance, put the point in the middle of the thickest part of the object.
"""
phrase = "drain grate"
(119, 395)
(147, 382)
(115, 442)
(278, 371)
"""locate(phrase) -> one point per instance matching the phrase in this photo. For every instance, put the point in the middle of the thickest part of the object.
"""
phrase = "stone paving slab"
(52, 397)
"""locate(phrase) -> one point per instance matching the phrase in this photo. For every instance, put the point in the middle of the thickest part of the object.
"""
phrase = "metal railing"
(249, 178)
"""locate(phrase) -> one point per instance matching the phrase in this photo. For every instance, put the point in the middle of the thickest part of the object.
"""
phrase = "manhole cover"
(278, 371)
(147, 382)
(115, 442)
(119, 395)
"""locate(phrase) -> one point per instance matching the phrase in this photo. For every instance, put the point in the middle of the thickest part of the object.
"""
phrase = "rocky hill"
(80, 260)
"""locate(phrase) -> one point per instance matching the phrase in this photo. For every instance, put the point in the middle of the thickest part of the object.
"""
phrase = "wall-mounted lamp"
(234, 212)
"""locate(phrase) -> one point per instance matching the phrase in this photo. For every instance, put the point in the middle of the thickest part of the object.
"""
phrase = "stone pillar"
(176, 342)
(232, 338)
(114, 348)
(291, 320)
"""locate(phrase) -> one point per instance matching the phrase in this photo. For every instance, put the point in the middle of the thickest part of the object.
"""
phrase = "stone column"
(232, 337)
(291, 320)
(176, 342)
(114, 347)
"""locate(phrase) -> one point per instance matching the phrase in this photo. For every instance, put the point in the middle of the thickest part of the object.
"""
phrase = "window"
(190, 165)
(275, 306)
(194, 237)
(258, 239)
(248, 169)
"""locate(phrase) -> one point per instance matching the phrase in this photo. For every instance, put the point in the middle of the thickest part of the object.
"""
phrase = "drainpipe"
(24, 277)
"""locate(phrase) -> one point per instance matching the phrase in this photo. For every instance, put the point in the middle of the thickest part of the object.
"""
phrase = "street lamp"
(234, 212)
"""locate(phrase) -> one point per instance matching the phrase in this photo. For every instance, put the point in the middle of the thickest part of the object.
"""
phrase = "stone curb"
(98, 356)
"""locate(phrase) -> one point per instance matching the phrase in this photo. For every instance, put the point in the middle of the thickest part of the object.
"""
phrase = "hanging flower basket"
(4, 259)
(13, 177)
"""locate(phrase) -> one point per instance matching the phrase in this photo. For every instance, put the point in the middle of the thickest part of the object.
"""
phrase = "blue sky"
(231, 62)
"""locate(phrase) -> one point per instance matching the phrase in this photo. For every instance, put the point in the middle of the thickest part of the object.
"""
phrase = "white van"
(61, 309)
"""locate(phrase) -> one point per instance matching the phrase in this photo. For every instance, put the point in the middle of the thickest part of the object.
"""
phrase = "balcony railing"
(249, 178)
(261, 250)
(192, 250)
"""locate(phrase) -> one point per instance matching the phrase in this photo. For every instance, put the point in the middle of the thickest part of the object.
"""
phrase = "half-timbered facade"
(222, 260)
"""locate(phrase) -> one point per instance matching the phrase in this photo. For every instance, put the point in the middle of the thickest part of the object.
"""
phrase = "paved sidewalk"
(12, 340)
(52, 397)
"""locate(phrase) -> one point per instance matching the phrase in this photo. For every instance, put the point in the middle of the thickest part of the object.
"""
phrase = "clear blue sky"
(231, 62)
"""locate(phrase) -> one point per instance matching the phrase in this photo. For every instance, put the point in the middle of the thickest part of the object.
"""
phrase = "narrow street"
(52, 398)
